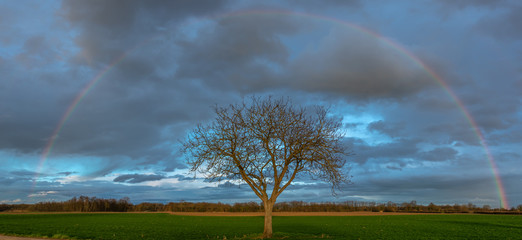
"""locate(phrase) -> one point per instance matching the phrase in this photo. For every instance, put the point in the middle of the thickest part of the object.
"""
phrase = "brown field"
(249, 214)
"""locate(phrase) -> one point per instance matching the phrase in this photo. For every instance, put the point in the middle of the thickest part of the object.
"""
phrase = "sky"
(96, 96)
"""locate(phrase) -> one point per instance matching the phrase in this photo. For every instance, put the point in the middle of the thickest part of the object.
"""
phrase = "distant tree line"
(80, 204)
(93, 204)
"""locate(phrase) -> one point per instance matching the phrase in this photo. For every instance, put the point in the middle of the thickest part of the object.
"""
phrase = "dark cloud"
(508, 157)
(314, 4)
(238, 52)
(386, 128)
(511, 135)
(38, 51)
(357, 65)
(461, 4)
(462, 132)
(504, 26)
(439, 154)
(67, 173)
(493, 115)
(20, 130)
(227, 184)
(432, 185)
(107, 29)
(8, 181)
(346, 62)
(183, 178)
(137, 178)
(388, 152)
(398, 152)
(25, 173)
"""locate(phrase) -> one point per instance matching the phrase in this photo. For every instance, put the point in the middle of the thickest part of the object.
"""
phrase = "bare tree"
(267, 143)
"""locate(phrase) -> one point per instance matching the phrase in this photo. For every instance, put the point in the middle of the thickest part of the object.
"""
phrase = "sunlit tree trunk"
(267, 233)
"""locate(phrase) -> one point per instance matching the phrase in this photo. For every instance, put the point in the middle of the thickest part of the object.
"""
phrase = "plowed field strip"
(250, 214)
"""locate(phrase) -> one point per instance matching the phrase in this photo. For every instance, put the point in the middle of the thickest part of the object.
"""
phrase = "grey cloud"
(238, 52)
(21, 131)
(108, 28)
(439, 154)
(508, 157)
(511, 135)
(386, 128)
(105, 139)
(104, 168)
(67, 173)
(461, 4)
(356, 65)
(433, 187)
(396, 150)
(227, 184)
(8, 181)
(505, 26)
(137, 178)
(314, 4)
(38, 52)
(143, 128)
(26, 173)
(394, 167)
(461, 132)
(183, 178)
(347, 62)
(495, 115)
(123, 14)
(31, 103)
(434, 126)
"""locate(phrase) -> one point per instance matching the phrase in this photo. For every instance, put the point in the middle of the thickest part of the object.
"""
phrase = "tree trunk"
(267, 233)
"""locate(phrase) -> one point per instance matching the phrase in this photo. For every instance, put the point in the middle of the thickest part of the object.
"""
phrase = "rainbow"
(90, 85)
(494, 169)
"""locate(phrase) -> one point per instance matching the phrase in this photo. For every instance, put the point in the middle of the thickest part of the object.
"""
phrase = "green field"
(166, 226)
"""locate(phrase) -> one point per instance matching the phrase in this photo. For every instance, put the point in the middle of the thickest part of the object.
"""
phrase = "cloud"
(398, 149)
(462, 4)
(385, 128)
(107, 29)
(439, 154)
(15, 201)
(137, 178)
(183, 177)
(237, 53)
(25, 173)
(41, 194)
(67, 173)
(227, 184)
(431, 186)
(106, 123)
(357, 65)
(9, 181)
(315, 4)
(498, 19)
(352, 64)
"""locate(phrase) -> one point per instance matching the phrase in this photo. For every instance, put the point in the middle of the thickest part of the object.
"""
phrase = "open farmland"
(168, 226)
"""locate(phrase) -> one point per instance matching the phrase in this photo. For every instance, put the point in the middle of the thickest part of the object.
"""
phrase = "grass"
(166, 226)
